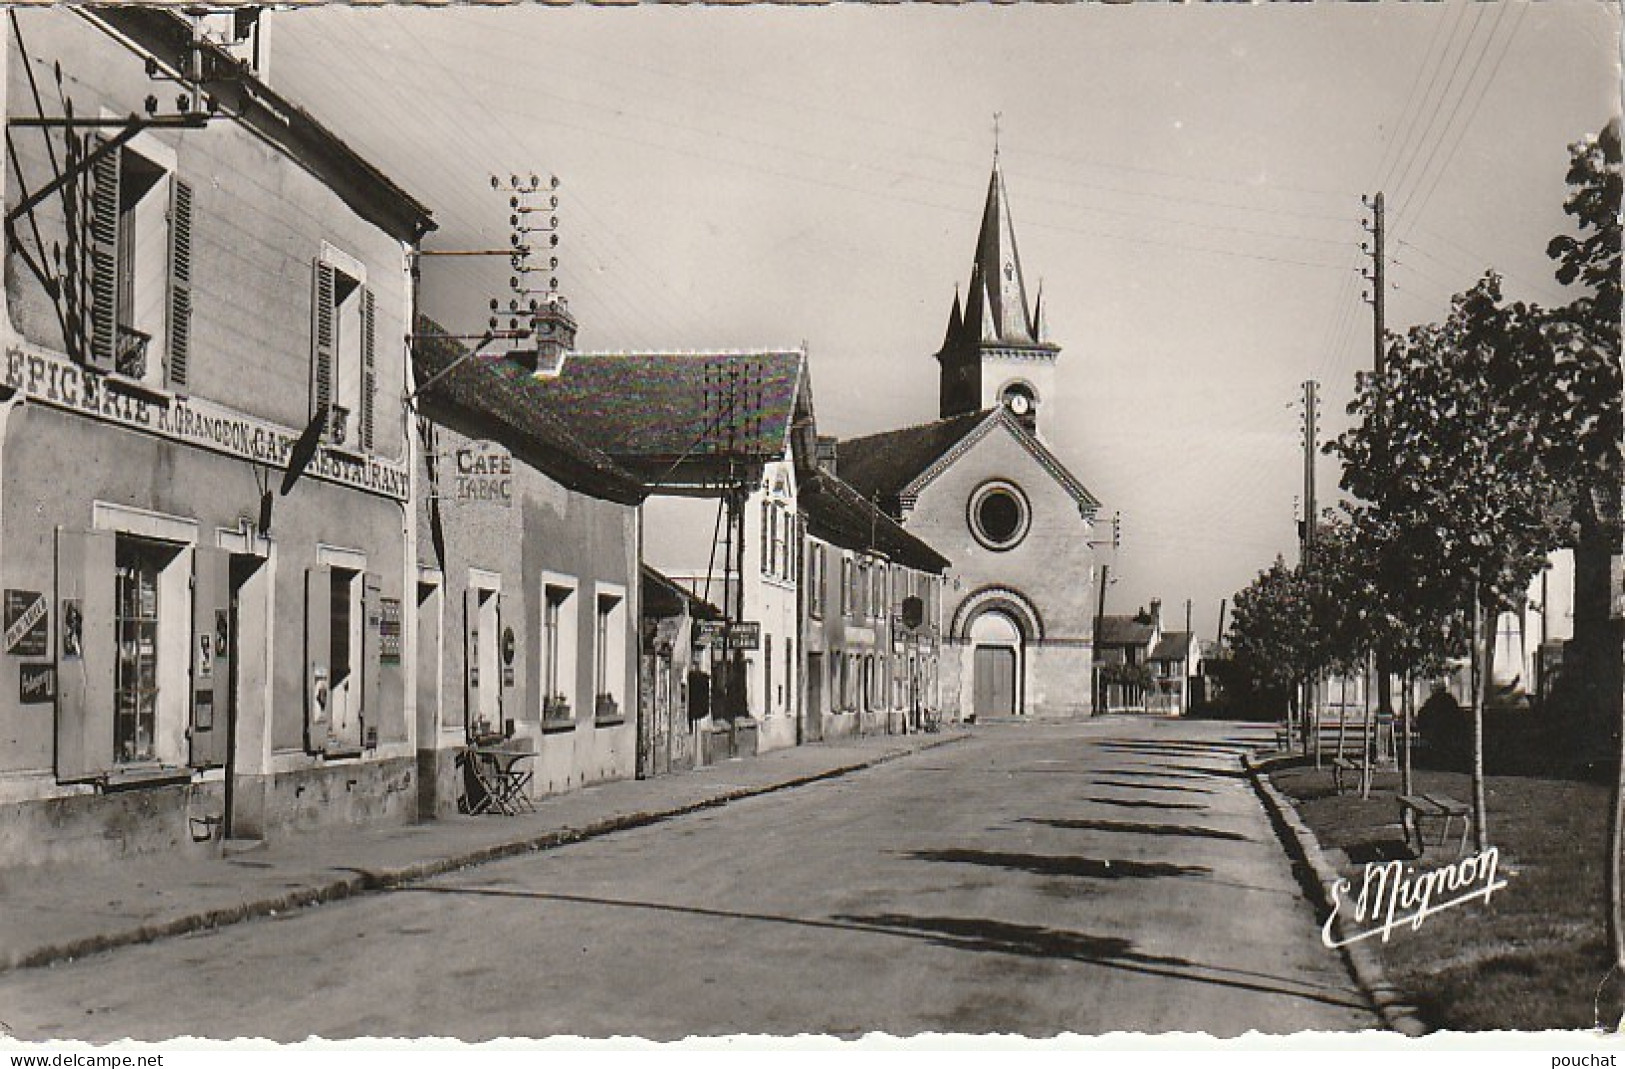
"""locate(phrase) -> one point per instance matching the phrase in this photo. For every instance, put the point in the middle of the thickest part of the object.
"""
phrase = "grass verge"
(1534, 956)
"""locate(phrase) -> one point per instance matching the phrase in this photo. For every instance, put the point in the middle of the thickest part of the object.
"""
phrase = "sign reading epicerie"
(53, 381)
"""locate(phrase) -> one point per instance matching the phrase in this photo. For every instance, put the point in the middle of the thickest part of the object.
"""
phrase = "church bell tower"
(997, 350)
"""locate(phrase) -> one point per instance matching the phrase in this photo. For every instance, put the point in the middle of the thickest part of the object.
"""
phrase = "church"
(981, 486)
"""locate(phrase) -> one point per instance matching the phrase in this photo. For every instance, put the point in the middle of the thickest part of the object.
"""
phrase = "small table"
(504, 783)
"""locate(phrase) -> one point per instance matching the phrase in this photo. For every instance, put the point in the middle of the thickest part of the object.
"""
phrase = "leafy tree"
(1449, 453)
(1269, 627)
(1586, 429)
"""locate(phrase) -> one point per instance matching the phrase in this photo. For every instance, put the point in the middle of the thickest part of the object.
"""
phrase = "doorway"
(995, 665)
(248, 673)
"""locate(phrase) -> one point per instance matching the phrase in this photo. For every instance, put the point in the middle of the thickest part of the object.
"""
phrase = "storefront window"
(135, 686)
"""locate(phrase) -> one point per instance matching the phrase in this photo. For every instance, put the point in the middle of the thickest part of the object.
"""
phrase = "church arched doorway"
(996, 665)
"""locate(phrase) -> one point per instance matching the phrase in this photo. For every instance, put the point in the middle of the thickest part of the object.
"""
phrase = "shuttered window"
(140, 244)
(344, 368)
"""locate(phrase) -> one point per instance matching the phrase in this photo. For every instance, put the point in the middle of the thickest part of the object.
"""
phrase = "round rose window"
(998, 515)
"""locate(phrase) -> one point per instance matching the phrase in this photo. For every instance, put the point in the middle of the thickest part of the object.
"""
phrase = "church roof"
(892, 467)
(838, 514)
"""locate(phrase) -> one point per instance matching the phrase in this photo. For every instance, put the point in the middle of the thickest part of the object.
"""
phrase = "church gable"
(999, 422)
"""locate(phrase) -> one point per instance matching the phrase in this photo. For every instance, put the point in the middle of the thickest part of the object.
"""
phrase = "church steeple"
(997, 345)
(996, 279)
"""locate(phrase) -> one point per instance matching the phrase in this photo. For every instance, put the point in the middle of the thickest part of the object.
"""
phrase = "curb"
(362, 881)
(1397, 1012)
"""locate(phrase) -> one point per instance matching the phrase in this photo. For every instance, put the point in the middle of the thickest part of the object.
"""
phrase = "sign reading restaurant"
(53, 381)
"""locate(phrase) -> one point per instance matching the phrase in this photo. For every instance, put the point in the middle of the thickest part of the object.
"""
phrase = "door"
(995, 684)
(815, 697)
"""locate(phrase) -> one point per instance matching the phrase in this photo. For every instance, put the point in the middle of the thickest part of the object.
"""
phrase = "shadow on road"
(1130, 785)
(1160, 772)
(966, 933)
(1134, 828)
(1112, 952)
(1145, 803)
(1052, 865)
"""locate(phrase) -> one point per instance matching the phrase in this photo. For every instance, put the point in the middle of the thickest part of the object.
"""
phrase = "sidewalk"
(58, 913)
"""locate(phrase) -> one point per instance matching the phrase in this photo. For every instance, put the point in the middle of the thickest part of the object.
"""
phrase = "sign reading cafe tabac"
(53, 381)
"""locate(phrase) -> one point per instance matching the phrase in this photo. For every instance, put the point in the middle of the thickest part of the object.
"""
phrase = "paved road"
(1038, 878)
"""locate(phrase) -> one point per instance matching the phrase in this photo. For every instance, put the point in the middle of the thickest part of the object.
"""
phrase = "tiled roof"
(1175, 646)
(493, 397)
(650, 410)
(840, 515)
(894, 466)
(883, 464)
(662, 597)
(1123, 631)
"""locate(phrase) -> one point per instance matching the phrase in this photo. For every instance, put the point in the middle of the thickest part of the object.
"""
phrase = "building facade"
(205, 470)
(723, 440)
(528, 577)
(871, 599)
(981, 486)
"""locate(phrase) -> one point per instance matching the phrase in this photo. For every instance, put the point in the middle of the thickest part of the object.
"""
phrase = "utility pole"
(1100, 619)
(1377, 228)
(1306, 553)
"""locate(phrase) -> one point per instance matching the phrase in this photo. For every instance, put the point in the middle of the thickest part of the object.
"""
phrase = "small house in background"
(528, 581)
(679, 641)
(1123, 671)
(1176, 662)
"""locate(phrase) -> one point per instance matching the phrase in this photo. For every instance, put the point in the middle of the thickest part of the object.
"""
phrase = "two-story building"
(872, 597)
(723, 441)
(205, 470)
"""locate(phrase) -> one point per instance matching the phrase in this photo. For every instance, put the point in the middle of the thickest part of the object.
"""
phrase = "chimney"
(826, 454)
(1156, 610)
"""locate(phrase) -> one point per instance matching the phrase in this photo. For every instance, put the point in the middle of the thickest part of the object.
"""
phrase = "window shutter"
(180, 282)
(84, 660)
(501, 682)
(471, 656)
(318, 655)
(211, 652)
(369, 370)
(321, 331)
(372, 704)
(102, 351)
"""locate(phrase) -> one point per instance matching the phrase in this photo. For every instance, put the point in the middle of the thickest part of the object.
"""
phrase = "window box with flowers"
(556, 713)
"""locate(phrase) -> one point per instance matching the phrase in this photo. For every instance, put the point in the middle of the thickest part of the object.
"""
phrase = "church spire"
(998, 291)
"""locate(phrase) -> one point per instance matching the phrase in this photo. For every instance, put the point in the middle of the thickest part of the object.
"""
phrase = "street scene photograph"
(1020, 523)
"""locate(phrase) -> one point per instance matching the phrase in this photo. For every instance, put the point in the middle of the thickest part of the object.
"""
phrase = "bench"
(1414, 808)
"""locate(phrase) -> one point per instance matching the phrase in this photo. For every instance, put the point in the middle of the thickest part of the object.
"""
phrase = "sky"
(1186, 182)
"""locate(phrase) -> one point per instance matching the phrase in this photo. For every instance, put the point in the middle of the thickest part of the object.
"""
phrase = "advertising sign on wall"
(27, 629)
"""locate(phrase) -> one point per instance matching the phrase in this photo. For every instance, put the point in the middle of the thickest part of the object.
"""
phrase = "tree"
(1269, 625)
(1587, 430)
(1464, 482)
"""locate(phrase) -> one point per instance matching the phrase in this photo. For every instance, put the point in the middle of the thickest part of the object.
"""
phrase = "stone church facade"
(981, 486)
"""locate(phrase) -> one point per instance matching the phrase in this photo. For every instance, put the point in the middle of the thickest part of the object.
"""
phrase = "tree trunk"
(1366, 741)
(1342, 712)
(1481, 676)
(1408, 704)
(1616, 812)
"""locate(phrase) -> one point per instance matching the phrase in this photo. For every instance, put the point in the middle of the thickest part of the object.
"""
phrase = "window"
(344, 374)
(846, 585)
(609, 655)
(135, 680)
(998, 515)
(141, 267)
(789, 661)
(815, 582)
(767, 674)
(558, 650)
(766, 510)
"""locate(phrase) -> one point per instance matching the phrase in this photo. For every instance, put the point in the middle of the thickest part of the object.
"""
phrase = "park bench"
(1414, 808)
